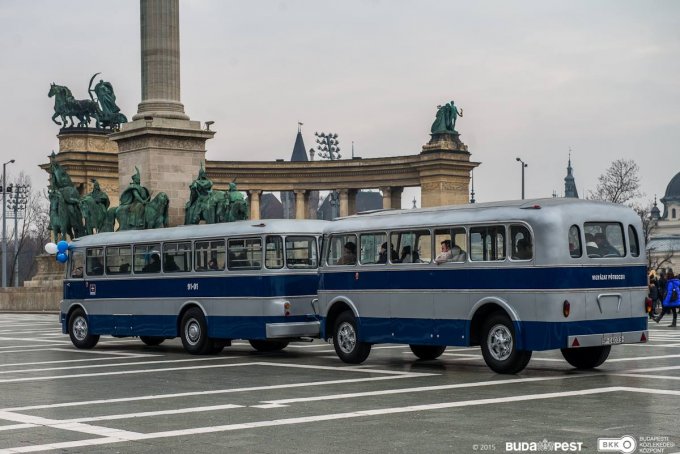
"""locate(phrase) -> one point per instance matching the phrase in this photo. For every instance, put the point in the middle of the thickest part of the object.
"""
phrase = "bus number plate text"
(192, 286)
(612, 339)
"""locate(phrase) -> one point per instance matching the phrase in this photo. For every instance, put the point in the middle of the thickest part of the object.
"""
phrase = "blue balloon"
(62, 246)
(62, 257)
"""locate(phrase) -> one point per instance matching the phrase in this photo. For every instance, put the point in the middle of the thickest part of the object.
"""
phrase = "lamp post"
(4, 222)
(328, 146)
(523, 164)
(17, 205)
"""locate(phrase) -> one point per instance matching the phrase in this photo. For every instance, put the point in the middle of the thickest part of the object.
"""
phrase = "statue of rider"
(235, 197)
(133, 200)
(199, 198)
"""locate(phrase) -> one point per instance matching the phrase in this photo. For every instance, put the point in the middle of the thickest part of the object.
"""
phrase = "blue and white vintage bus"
(512, 277)
(207, 284)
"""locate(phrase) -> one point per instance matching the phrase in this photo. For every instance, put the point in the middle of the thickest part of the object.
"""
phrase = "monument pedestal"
(442, 184)
(168, 153)
(50, 272)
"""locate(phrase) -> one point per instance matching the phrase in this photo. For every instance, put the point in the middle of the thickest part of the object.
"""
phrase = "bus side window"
(94, 261)
(77, 264)
(147, 258)
(604, 239)
(414, 246)
(209, 255)
(177, 257)
(118, 259)
(342, 250)
(273, 255)
(245, 254)
(375, 250)
(487, 243)
(575, 248)
(633, 241)
(521, 243)
(301, 252)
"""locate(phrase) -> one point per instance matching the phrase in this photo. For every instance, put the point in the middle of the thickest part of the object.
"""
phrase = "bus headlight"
(566, 308)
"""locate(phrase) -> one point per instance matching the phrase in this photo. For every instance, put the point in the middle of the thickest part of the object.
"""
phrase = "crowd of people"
(664, 288)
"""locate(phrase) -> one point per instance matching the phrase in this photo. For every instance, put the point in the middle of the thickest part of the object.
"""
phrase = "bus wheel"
(345, 340)
(428, 352)
(268, 345)
(194, 332)
(217, 345)
(586, 357)
(152, 341)
(79, 331)
(499, 346)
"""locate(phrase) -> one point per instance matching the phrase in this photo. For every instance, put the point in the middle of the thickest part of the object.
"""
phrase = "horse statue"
(66, 107)
(238, 211)
(65, 215)
(156, 212)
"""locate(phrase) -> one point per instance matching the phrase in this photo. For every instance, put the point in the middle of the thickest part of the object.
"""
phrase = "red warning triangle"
(643, 338)
(575, 343)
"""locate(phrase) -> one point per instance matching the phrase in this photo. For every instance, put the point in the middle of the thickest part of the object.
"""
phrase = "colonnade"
(347, 201)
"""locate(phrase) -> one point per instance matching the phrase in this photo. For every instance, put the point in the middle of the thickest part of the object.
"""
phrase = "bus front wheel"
(79, 331)
(586, 357)
(346, 340)
(499, 346)
(194, 332)
(428, 352)
(268, 345)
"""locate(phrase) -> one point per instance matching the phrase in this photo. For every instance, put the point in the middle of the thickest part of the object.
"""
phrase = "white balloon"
(51, 248)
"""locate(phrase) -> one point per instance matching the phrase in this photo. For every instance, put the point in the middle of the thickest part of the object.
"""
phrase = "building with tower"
(569, 182)
(663, 247)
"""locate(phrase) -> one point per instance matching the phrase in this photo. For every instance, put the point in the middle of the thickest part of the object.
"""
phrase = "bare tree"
(619, 184)
(655, 260)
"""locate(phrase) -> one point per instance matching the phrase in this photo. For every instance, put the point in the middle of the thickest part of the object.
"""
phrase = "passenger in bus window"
(124, 268)
(349, 254)
(154, 265)
(591, 246)
(604, 247)
(406, 256)
(97, 269)
(524, 250)
(212, 265)
(446, 253)
(457, 254)
(170, 264)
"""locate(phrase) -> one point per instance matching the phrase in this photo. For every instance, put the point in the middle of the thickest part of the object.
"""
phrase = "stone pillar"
(254, 202)
(344, 202)
(395, 195)
(300, 204)
(387, 197)
(160, 60)
(161, 141)
(352, 196)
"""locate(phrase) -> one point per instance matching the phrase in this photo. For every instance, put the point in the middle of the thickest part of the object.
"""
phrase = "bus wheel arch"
(337, 307)
(499, 338)
(79, 328)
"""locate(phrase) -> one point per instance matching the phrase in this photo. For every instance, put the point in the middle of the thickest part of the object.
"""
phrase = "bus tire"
(346, 340)
(152, 341)
(499, 345)
(217, 345)
(428, 352)
(268, 345)
(586, 357)
(79, 330)
(194, 332)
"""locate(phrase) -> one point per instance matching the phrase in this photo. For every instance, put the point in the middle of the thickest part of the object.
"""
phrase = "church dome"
(673, 189)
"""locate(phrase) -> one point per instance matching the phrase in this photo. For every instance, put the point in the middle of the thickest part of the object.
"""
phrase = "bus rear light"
(286, 309)
(648, 305)
(566, 308)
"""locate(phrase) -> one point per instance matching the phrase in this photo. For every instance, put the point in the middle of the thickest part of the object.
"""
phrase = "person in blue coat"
(671, 301)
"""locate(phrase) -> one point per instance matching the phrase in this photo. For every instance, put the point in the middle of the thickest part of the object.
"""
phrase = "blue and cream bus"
(512, 277)
(207, 284)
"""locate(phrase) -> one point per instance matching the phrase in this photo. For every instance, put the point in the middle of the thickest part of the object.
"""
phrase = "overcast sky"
(534, 78)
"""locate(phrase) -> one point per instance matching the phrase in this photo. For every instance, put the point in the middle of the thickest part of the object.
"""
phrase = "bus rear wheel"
(428, 352)
(499, 346)
(586, 357)
(346, 340)
(79, 330)
(152, 341)
(194, 332)
(268, 345)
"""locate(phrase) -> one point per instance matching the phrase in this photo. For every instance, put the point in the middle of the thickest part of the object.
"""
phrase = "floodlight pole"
(4, 222)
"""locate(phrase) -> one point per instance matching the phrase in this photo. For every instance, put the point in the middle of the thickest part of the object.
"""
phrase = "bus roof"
(193, 232)
(541, 210)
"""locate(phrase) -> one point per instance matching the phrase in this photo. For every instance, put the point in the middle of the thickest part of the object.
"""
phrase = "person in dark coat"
(671, 300)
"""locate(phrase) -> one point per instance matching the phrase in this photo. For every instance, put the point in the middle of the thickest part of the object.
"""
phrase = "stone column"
(254, 202)
(344, 202)
(395, 195)
(160, 60)
(300, 204)
(352, 196)
(387, 197)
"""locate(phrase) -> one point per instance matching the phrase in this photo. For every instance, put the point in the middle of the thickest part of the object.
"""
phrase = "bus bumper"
(295, 329)
(599, 340)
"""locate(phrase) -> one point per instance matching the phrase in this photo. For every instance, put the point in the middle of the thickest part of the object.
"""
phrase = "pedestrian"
(671, 301)
(653, 295)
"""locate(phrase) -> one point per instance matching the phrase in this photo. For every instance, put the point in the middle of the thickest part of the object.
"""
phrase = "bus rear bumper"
(295, 329)
(604, 339)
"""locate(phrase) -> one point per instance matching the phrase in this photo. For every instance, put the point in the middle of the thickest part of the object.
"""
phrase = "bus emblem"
(93, 289)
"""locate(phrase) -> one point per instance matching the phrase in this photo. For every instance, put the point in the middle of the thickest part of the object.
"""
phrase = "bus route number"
(192, 286)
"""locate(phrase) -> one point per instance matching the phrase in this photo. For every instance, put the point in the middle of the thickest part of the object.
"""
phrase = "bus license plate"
(611, 339)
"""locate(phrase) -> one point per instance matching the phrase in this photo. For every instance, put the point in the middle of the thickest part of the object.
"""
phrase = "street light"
(328, 146)
(17, 204)
(523, 164)
(4, 222)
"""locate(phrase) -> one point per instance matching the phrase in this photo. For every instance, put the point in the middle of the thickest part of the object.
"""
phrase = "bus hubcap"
(347, 337)
(193, 332)
(500, 342)
(80, 328)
